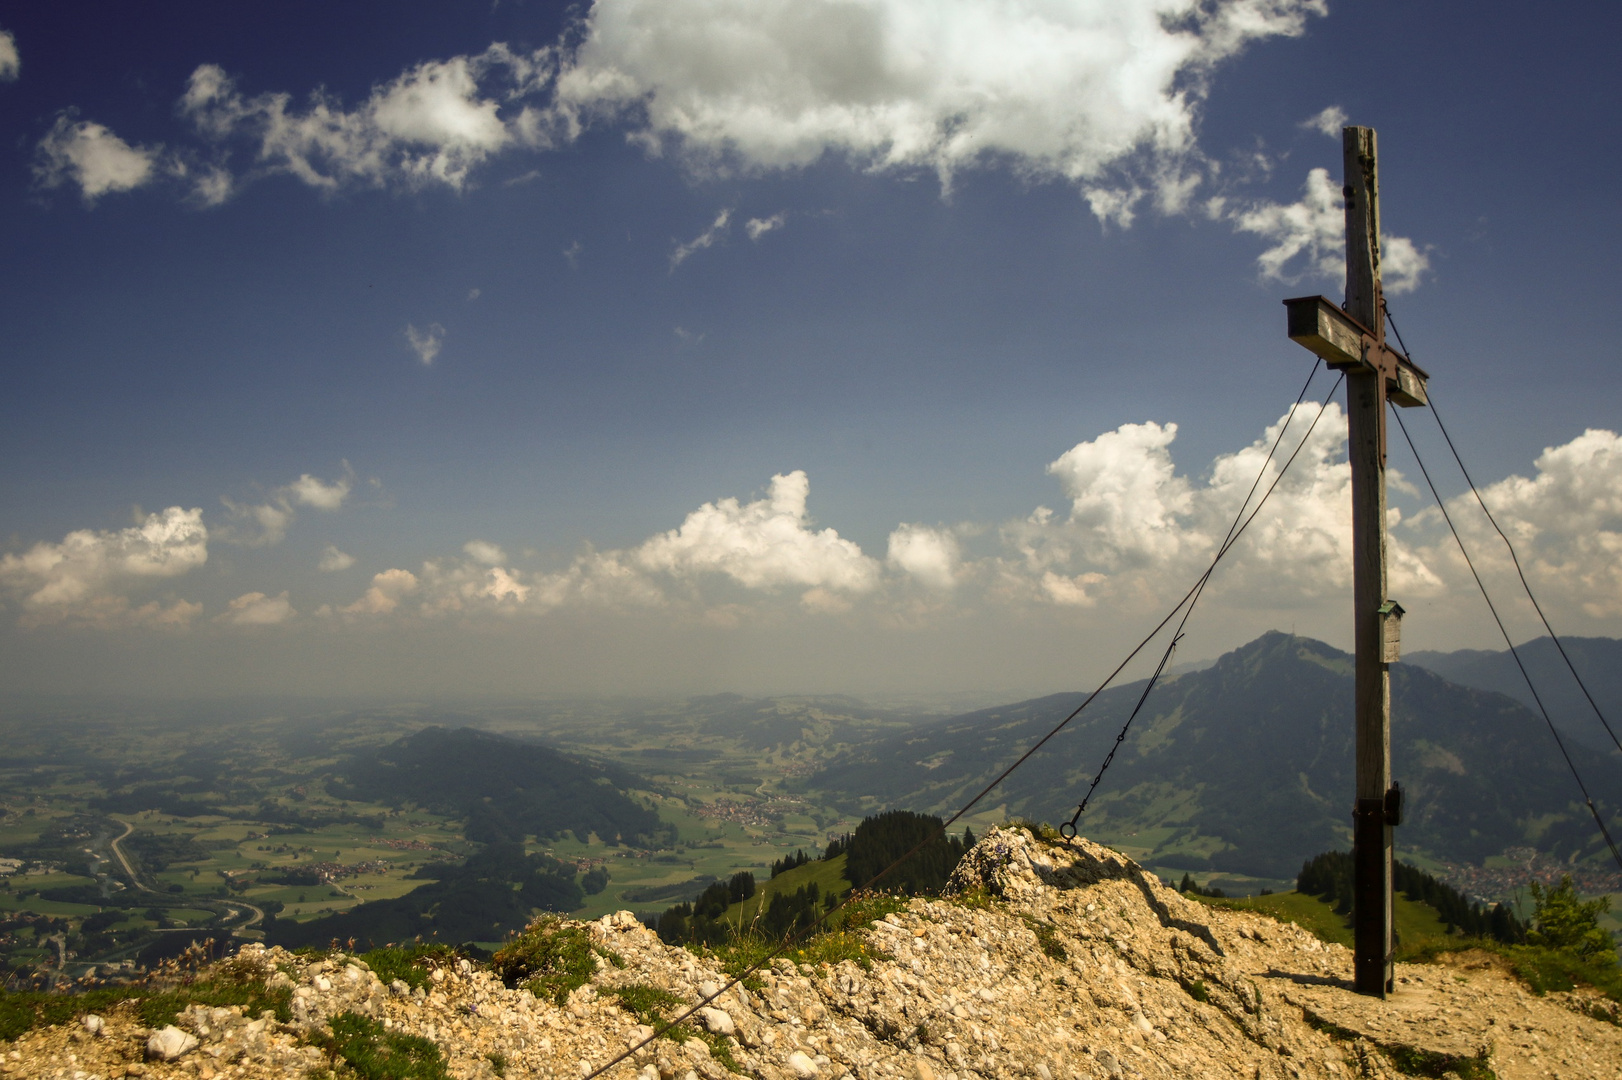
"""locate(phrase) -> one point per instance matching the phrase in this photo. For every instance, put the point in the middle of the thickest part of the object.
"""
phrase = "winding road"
(232, 908)
(118, 853)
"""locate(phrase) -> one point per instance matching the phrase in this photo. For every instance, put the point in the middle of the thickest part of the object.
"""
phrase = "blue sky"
(398, 349)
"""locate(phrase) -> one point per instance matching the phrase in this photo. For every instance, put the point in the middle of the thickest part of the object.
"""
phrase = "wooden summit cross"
(1351, 338)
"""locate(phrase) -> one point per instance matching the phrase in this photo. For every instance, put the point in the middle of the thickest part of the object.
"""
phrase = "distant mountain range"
(1246, 766)
(1598, 660)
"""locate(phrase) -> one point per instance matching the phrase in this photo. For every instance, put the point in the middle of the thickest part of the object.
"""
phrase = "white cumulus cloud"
(309, 491)
(431, 125)
(266, 523)
(1105, 94)
(1125, 493)
(426, 343)
(766, 546)
(1565, 521)
(931, 555)
(482, 551)
(11, 63)
(1308, 239)
(1136, 533)
(758, 227)
(1056, 88)
(257, 609)
(334, 559)
(1328, 122)
(388, 589)
(89, 156)
(708, 238)
(1102, 94)
(1139, 528)
(767, 543)
(88, 575)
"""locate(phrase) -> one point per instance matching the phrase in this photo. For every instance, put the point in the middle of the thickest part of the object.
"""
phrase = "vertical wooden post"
(1366, 403)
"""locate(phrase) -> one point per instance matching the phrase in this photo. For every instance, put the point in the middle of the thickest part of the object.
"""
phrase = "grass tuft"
(165, 1007)
(1047, 938)
(409, 963)
(551, 958)
(651, 1005)
(374, 1053)
(22, 1011)
(978, 898)
(1041, 830)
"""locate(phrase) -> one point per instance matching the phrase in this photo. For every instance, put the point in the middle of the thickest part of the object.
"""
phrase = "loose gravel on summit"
(1046, 960)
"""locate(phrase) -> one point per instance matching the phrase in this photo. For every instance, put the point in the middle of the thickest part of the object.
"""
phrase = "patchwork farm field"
(123, 839)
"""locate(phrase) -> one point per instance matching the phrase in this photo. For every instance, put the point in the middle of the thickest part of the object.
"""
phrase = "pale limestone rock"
(718, 1021)
(169, 1043)
(970, 994)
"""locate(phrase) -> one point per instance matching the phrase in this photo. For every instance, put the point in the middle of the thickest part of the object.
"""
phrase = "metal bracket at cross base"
(1371, 820)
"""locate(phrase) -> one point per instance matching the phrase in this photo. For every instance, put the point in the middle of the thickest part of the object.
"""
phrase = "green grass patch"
(978, 898)
(374, 1053)
(236, 981)
(1544, 970)
(828, 876)
(869, 908)
(1041, 830)
(1308, 912)
(1047, 938)
(838, 941)
(20, 1012)
(551, 958)
(1422, 937)
(409, 964)
(164, 1007)
(1420, 931)
(720, 1049)
(651, 1005)
(834, 947)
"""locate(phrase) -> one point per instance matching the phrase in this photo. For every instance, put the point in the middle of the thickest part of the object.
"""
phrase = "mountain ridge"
(1247, 766)
(1597, 659)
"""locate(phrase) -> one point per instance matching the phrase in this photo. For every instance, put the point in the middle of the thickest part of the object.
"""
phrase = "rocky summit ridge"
(1046, 960)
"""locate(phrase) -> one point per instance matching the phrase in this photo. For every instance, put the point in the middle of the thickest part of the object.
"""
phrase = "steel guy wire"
(1561, 743)
(1559, 646)
(1200, 589)
(1193, 594)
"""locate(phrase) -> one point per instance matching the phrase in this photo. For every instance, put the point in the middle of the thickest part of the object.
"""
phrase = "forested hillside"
(504, 788)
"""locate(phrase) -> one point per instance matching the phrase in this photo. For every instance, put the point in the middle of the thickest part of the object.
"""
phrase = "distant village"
(1488, 883)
